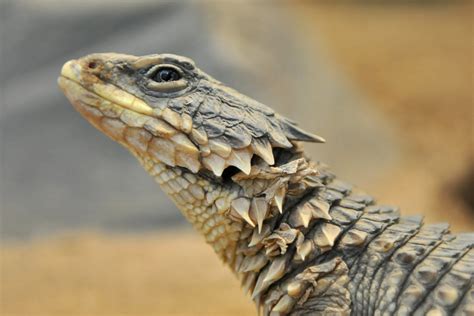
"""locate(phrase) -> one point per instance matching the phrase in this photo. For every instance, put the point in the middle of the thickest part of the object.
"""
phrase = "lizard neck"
(203, 203)
(266, 226)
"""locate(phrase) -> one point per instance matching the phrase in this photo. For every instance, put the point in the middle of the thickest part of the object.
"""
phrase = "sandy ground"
(172, 273)
(415, 62)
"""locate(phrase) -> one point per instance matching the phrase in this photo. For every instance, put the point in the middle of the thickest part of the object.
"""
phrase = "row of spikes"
(294, 290)
(313, 280)
(172, 142)
(276, 244)
(212, 154)
(322, 238)
(255, 206)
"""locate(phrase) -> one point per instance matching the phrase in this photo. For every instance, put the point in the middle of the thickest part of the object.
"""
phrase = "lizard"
(300, 240)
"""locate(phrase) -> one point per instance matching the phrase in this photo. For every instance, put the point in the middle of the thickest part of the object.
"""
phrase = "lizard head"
(175, 112)
(200, 139)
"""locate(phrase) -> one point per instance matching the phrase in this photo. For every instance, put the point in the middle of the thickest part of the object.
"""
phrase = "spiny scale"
(259, 209)
(242, 207)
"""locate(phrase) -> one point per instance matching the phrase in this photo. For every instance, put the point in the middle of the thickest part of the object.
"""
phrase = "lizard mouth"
(74, 73)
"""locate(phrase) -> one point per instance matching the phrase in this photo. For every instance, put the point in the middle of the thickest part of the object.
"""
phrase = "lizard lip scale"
(73, 71)
(301, 241)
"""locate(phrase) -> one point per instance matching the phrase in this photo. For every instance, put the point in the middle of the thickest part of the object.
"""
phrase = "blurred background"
(85, 231)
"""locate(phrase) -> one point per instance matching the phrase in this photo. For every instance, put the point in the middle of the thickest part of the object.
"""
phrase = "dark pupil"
(166, 74)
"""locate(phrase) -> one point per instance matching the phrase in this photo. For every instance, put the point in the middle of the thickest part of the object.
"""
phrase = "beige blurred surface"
(415, 62)
(173, 273)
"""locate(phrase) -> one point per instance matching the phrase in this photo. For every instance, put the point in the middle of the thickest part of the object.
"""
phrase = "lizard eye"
(166, 74)
(165, 78)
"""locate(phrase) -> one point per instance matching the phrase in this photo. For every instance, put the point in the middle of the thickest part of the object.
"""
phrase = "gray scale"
(466, 305)
(402, 263)
(426, 276)
(353, 254)
(450, 289)
(364, 275)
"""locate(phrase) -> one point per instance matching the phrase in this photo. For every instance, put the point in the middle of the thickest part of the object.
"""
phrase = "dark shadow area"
(465, 189)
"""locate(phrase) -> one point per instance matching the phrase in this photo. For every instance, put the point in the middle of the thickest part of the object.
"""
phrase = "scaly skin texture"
(301, 241)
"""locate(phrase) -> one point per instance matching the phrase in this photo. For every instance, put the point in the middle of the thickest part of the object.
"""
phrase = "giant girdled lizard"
(301, 241)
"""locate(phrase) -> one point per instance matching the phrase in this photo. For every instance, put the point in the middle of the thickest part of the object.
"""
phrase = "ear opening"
(229, 172)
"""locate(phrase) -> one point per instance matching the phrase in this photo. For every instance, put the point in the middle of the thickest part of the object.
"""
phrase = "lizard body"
(301, 241)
